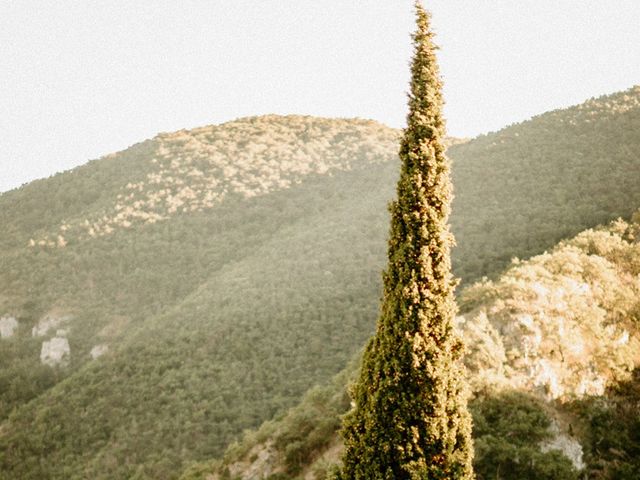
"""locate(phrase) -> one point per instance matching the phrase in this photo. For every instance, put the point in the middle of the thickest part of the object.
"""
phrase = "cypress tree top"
(410, 419)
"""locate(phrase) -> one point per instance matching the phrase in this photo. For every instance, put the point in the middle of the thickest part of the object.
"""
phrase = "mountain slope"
(208, 356)
(582, 298)
(215, 299)
(111, 282)
(530, 185)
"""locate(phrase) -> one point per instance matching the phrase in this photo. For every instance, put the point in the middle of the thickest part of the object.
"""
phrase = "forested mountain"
(156, 302)
(530, 185)
(552, 350)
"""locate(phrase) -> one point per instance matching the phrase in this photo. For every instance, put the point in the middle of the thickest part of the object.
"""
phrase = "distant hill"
(221, 315)
(532, 184)
(552, 345)
(160, 300)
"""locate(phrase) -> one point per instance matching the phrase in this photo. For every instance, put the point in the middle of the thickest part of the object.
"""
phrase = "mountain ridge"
(227, 308)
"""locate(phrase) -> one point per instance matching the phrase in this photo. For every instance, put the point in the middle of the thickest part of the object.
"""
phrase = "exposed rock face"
(262, 464)
(48, 323)
(98, 351)
(549, 326)
(569, 446)
(55, 351)
(8, 326)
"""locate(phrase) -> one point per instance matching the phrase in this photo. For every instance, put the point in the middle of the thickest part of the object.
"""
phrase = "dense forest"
(202, 281)
(526, 425)
(532, 184)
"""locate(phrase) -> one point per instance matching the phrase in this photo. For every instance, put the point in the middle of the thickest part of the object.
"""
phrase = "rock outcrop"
(550, 326)
(8, 326)
(48, 323)
(567, 445)
(99, 350)
(55, 352)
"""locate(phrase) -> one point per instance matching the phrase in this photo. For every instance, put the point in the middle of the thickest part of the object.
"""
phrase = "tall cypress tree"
(410, 419)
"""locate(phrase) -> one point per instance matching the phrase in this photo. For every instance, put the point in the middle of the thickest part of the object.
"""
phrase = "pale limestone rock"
(591, 384)
(553, 336)
(48, 323)
(99, 350)
(541, 290)
(544, 376)
(8, 326)
(262, 464)
(55, 351)
(624, 338)
(567, 445)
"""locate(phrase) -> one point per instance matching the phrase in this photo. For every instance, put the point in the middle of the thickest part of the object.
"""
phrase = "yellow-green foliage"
(195, 170)
(410, 419)
(190, 369)
(252, 301)
(561, 322)
(511, 425)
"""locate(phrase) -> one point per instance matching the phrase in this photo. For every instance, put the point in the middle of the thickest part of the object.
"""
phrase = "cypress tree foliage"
(410, 419)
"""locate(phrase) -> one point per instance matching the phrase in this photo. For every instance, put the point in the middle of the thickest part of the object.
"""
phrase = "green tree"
(410, 419)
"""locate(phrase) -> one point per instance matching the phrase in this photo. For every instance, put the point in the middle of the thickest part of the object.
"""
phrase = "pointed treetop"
(410, 419)
(425, 97)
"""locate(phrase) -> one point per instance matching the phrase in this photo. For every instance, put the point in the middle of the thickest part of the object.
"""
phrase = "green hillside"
(219, 273)
(171, 300)
(579, 412)
(530, 185)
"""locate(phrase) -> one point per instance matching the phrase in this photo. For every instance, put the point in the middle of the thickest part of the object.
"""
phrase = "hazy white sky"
(79, 79)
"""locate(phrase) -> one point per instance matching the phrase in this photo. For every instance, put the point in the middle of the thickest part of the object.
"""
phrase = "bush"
(508, 429)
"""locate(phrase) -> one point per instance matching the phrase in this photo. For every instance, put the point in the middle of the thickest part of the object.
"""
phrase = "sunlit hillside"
(157, 302)
(552, 345)
(195, 170)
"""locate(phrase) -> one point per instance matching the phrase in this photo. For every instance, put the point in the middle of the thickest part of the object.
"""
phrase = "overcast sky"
(80, 79)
